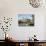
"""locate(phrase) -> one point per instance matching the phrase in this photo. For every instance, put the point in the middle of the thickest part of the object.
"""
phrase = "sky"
(24, 16)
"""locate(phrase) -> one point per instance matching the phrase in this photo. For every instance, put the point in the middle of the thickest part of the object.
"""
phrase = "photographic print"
(25, 19)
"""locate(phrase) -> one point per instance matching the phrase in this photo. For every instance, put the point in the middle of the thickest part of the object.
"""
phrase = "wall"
(9, 8)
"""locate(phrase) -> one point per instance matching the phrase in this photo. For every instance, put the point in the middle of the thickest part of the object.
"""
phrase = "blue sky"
(26, 16)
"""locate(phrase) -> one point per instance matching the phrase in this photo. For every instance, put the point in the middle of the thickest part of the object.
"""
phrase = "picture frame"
(25, 19)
